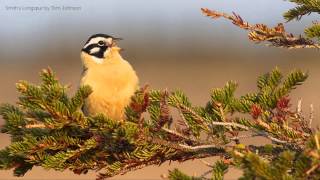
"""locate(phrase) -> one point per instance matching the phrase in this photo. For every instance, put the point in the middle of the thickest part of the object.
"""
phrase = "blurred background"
(169, 43)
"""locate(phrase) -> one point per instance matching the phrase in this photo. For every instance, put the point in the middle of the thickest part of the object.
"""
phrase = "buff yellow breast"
(113, 83)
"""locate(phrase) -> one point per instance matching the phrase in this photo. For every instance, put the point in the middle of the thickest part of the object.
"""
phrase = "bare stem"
(198, 147)
(311, 116)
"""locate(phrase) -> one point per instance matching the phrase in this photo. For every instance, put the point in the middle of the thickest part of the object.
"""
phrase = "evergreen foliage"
(288, 164)
(277, 36)
(48, 129)
(304, 7)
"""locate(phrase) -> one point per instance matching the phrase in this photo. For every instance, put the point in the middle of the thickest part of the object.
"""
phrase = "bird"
(112, 79)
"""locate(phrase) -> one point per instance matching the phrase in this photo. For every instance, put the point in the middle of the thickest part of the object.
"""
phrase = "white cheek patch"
(97, 60)
(94, 50)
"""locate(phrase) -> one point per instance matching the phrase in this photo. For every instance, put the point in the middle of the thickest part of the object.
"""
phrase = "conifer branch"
(277, 36)
(304, 7)
(48, 129)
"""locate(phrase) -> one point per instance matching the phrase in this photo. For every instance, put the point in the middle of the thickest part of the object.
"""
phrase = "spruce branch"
(49, 129)
(313, 31)
(304, 7)
(276, 36)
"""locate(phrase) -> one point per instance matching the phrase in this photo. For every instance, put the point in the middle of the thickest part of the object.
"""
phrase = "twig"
(182, 147)
(203, 120)
(298, 115)
(173, 132)
(230, 124)
(277, 36)
(311, 116)
(317, 141)
(299, 107)
(29, 126)
(203, 176)
(198, 147)
(260, 133)
(265, 134)
(286, 127)
(223, 116)
(244, 137)
(129, 168)
(164, 116)
(177, 134)
(200, 120)
(313, 168)
(183, 156)
(162, 142)
(206, 163)
(183, 118)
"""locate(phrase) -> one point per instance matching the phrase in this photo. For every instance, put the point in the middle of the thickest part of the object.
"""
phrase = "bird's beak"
(117, 39)
(114, 40)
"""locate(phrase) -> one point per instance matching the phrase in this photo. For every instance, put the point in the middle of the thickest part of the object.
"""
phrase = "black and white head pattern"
(98, 46)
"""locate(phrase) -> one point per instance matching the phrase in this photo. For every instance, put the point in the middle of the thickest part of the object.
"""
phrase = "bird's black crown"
(99, 47)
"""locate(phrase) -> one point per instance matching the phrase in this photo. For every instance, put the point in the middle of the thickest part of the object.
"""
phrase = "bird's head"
(99, 49)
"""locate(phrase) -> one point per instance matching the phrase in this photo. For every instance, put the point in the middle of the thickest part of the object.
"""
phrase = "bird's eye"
(101, 43)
